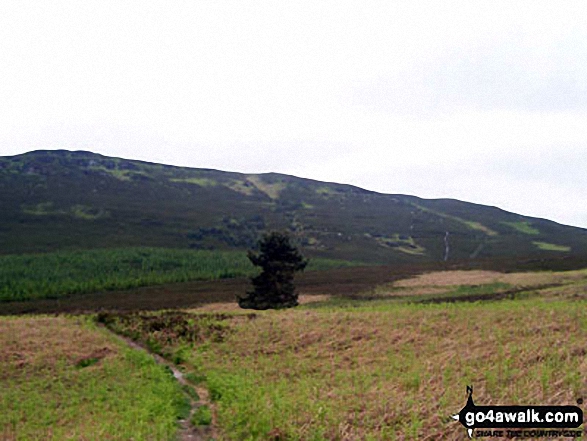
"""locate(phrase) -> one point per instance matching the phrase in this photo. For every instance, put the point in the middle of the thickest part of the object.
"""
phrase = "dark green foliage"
(195, 378)
(85, 362)
(54, 275)
(168, 370)
(183, 406)
(161, 332)
(202, 416)
(279, 260)
(191, 392)
(236, 233)
(61, 200)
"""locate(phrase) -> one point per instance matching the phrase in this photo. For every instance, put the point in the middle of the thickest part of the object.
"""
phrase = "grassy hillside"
(61, 200)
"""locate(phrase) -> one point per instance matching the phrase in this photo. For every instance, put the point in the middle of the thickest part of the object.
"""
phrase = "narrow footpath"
(187, 431)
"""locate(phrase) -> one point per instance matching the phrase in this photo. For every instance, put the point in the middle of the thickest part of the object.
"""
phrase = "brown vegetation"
(34, 343)
(480, 277)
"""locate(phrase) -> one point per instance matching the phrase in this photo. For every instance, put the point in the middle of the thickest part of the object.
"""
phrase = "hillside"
(54, 200)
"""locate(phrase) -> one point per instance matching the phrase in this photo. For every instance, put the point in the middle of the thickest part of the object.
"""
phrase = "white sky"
(483, 101)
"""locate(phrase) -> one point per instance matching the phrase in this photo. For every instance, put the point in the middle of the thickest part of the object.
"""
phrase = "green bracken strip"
(551, 246)
(522, 227)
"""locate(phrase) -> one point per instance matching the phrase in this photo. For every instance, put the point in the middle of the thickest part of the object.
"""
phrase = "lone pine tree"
(279, 259)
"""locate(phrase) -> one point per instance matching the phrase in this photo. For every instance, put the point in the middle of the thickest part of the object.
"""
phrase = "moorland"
(119, 321)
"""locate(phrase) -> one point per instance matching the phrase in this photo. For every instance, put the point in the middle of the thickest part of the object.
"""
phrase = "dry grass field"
(64, 379)
(387, 366)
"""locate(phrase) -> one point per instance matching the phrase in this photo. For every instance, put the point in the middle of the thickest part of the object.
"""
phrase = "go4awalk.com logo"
(519, 421)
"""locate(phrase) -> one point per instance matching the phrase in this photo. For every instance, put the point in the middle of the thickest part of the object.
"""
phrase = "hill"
(56, 200)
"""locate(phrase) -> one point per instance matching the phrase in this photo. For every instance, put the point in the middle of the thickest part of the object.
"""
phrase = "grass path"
(197, 395)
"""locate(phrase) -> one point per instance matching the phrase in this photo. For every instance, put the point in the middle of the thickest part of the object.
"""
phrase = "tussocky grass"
(63, 378)
(391, 372)
(388, 369)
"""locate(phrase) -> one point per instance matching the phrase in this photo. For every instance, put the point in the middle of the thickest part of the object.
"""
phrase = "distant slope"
(79, 200)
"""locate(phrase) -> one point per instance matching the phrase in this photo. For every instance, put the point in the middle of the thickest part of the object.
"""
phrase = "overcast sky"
(483, 101)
